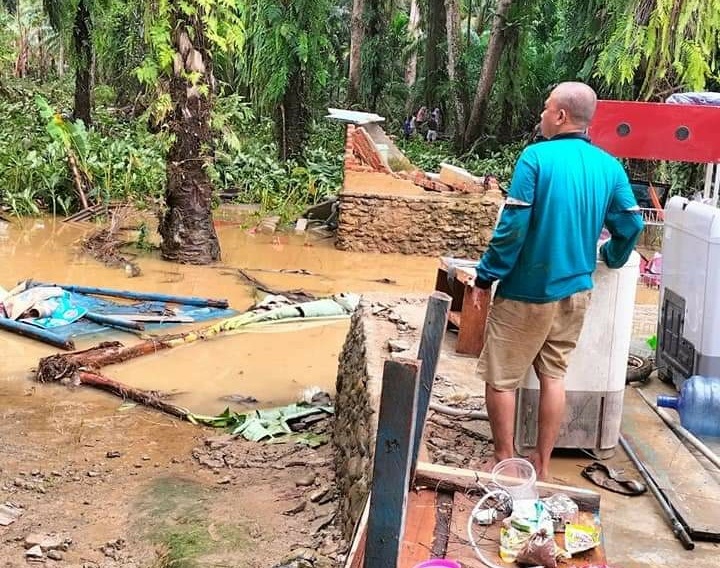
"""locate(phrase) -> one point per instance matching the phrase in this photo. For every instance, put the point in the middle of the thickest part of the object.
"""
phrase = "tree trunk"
(411, 68)
(357, 35)
(291, 118)
(187, 230)
(487, 75)
(83, 62)
(454, 70)
(434, 60)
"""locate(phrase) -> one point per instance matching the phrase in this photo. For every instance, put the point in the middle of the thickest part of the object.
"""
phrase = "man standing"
(543, 253)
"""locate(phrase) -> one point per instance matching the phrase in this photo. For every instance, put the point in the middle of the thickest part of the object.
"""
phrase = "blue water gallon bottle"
(698, 405)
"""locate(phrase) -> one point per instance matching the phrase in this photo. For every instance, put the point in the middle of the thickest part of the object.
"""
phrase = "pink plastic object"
(438, 563)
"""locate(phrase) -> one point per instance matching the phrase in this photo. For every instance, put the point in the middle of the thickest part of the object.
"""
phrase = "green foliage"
(656, 47)
(283, 39)
(499, 162)
(246, 164)
(121, 158)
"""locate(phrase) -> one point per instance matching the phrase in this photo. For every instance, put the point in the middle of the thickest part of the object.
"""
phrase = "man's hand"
(479, 297)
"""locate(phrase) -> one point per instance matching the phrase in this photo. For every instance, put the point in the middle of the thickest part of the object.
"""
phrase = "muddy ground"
(139, 489)
(118, 486)
(169, 499)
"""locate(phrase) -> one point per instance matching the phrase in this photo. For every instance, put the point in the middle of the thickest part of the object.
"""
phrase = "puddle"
(271, 367)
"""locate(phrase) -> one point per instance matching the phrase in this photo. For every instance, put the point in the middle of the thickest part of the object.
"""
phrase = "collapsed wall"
(387, 205)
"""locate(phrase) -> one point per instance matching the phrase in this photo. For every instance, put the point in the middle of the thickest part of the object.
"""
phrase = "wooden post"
(471, 335)
(431, 341)
(391, 469)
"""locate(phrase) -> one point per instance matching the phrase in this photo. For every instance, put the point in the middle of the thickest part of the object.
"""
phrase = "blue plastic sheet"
(94, 304)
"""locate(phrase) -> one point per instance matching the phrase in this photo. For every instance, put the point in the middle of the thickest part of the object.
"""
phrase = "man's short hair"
(578, 99)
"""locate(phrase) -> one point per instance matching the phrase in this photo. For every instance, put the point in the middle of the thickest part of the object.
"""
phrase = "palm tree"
(182, 35)
(286, 63)
(81, 29)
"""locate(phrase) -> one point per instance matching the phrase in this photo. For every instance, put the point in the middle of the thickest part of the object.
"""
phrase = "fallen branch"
(68, 365)
(297, 295)
(145, 397)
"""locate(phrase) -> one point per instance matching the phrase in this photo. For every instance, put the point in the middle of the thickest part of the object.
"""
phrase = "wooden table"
(466, 317)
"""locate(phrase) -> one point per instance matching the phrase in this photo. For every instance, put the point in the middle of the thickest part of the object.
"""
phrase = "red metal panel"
(658, 131)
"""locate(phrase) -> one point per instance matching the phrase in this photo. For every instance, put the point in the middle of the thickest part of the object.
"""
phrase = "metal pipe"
(38, 333)
(121, 323)
(459, 412)
(682, 432)
(677, 528)
(142, 296)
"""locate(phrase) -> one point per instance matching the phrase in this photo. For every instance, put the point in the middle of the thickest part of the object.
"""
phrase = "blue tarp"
(109, 307)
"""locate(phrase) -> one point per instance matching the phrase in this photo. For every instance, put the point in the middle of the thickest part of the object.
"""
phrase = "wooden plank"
(488, 538)
(419, 528)
(393, 458)
(356, 555)
(692, 491)
(471, 335)
(443, 507)
(431, 340)
(459, 548)
(444, 478)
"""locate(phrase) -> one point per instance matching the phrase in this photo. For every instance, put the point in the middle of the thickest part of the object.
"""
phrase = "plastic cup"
(516, 476)
(438, 563)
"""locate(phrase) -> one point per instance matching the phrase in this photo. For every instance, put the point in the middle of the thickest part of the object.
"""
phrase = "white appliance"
(595, 380)
(689, 315)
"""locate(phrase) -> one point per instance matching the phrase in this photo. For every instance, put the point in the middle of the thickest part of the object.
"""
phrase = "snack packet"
(579, 538)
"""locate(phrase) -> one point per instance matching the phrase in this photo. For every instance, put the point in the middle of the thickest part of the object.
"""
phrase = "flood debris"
(9, 513)
(297, 295)
(105, 243)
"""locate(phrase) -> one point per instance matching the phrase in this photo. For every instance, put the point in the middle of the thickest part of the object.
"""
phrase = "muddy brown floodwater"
(166, 501)
(271, 367)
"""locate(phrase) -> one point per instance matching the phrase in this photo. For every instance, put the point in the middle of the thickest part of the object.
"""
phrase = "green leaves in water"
(268, 424)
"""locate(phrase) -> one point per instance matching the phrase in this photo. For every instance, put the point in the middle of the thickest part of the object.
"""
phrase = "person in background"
(408, 127)
(436, 115)
(543, 254)
(421, 115)
(432, 128)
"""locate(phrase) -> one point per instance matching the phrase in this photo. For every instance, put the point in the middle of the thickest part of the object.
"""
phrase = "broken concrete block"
(34, 552)
(44, 541)
(268, 225)
(9, 514)
(459, 178)
(301, 225)
(397, 345)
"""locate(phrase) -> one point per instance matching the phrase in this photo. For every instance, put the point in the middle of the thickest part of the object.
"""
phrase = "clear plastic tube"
(479, 553)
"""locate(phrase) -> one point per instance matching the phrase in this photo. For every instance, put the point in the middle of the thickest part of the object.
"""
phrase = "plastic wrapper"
(579, 538)
(512, 542)
(539, 550)
(561, 509)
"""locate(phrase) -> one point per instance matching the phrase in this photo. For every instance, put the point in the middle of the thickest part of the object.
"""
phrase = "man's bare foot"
(541, 470)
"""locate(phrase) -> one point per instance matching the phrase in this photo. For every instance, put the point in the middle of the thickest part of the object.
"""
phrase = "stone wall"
(458, 225)
(356, 404)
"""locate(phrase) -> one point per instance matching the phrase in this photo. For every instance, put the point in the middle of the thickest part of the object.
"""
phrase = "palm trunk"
(291, 118)
(357, 35)
(83, 64)
(187, 230)
(455, 73)
(434, 60)
(487, 75)
(411, 68)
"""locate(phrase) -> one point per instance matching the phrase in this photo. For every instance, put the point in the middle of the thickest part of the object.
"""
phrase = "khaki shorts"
(520, 334)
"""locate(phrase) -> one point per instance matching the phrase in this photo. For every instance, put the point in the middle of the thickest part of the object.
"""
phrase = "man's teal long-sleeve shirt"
(562, 193)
